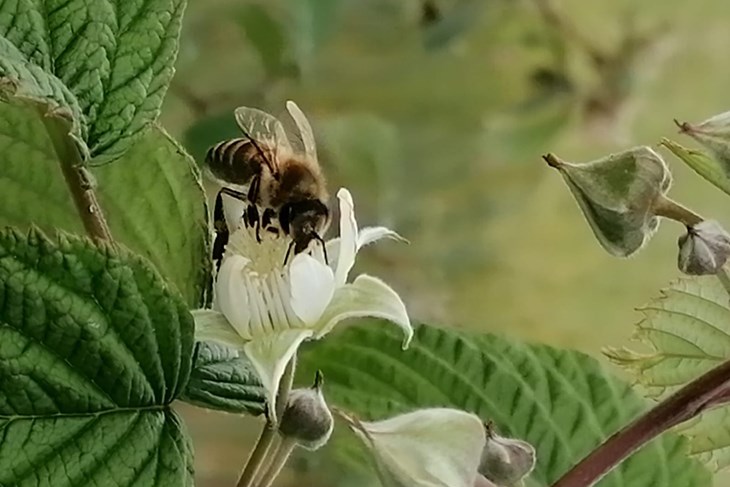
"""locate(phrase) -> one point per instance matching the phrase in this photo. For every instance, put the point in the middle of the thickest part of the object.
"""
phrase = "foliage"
(96, 338)
(564, 403)
(95, 347)
(687, 331)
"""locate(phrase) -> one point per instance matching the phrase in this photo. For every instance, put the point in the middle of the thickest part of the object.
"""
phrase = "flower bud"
(506, 461)
(714, 135)
(704, 249)
(436, 447)
(307, 419)
(617, 194)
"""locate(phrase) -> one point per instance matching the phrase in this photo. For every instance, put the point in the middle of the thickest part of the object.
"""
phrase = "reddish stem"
(707, 391)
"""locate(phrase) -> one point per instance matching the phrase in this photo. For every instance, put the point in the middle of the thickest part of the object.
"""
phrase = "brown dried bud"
(617, 195)
(704, 249)
(506, 461)
(307, 419)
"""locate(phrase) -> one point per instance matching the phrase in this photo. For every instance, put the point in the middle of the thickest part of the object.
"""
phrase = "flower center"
(265, 257)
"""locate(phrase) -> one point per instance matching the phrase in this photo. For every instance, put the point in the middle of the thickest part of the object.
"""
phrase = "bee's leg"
(221, 231)
(234, 194)
(252, 218)
(267, 218)
(288, 251)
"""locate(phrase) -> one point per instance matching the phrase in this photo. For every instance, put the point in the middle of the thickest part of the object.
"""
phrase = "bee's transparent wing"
(261, 127)
(306, 136)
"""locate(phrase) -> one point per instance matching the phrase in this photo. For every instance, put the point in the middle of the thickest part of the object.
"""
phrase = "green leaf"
(26, 80)
(700, 163)
(225, 380)
(686, 331)
(152, 197)
(155, 204)
(563, 402)
(31, 182)
(116, 57)
(94, 346)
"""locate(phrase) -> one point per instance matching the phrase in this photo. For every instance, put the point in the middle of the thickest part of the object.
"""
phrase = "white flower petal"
(231, 296)
(333, 252)
(367, 296)
(436, 447)
(348, 237)
(269, 356)
(213, 326)
(368, 235)
(312, 287)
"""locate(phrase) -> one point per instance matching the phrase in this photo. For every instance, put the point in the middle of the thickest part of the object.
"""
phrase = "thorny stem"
(260, 453)
(707, 391)
(674, 211)
(77, 179)
(277, 463)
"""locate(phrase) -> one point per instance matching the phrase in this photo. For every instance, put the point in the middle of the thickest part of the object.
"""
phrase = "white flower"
(267, 308)
(437, 447)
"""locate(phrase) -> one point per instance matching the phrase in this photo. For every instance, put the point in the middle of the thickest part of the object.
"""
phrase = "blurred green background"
(435, 114)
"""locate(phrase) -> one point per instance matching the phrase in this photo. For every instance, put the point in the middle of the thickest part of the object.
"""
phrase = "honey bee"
(271, 169)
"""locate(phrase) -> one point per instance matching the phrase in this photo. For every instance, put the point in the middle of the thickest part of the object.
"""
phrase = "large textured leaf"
(687, 332)
(151, 197)
(94, 347)
(224, 379)
(116, 57)
(565, 403)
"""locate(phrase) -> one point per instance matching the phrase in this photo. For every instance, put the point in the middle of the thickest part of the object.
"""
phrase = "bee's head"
(304, 221)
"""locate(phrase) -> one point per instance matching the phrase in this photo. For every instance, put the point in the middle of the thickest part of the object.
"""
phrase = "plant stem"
(77, 178)
(674, 211)
(258, 455)
(260, 452)
(709, 390)
(280, 457)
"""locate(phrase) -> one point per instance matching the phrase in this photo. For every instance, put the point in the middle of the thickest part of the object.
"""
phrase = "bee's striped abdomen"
(234, 161)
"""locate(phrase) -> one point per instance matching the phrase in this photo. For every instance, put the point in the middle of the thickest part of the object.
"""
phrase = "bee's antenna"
(324, 247)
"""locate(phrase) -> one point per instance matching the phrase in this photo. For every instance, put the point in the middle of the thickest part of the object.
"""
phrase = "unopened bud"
(617, 195)
(704, 249)
(506, 461)
(714, 135)
(436, 447)
(307, 419)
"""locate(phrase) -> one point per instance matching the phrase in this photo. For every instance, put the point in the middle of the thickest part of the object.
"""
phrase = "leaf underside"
(151, 197)
(686, 331)
(225, 380)
(564, 403)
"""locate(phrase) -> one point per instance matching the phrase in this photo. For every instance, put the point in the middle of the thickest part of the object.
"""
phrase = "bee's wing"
(260, 126)
(306, 135)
